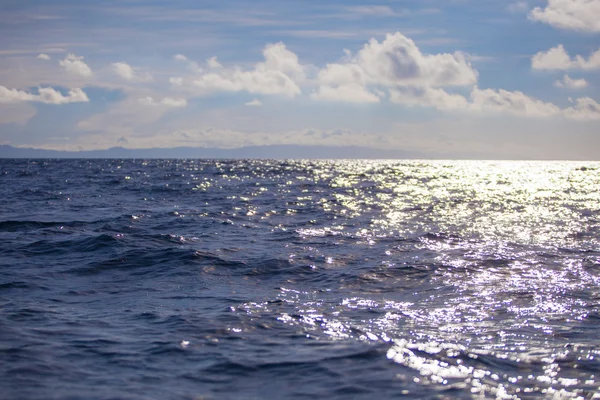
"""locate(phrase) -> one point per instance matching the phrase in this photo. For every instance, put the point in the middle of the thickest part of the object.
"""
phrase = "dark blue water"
(188, 279)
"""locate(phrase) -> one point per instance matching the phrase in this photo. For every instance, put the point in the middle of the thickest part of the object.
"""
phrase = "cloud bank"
(45, 95)
(581, 15)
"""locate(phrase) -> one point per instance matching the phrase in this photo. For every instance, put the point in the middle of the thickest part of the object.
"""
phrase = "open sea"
(248, 279)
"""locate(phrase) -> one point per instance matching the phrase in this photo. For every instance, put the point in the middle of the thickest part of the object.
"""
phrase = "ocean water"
(212, 279)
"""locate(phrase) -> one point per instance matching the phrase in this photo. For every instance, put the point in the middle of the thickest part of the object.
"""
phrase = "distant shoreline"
(281, 152)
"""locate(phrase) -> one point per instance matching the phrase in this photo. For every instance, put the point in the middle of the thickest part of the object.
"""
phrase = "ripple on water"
(295, 279)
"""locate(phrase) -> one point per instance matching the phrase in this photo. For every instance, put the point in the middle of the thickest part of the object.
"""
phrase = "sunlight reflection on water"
(436, 279)
(503, 290)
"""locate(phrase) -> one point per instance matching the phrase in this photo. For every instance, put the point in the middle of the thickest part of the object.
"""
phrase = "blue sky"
(504, 79)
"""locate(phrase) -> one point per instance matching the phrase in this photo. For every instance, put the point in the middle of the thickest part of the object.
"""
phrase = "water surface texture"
(198, 279)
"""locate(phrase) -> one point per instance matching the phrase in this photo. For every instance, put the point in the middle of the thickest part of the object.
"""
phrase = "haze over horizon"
(509, 79)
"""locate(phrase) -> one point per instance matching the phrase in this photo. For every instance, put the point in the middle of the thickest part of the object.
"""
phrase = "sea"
(299, 279)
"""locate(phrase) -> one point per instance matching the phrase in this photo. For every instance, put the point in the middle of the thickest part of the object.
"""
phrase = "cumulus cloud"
(166, 102)
(557, 58)
(348, 92)
(495, 101)
(584, 109)
(416, 79)
(213, 63)
(428, 97)
(127, 72)
(582, 15)
(75, 65)
(480, 101)
(569, 83)
(515, 102)
(254, 103)
(45, 95)
(394, 62)
(191, 65)
(123, 70)
(398, 61)
(43, 56)
(344, 82)
(280, 73)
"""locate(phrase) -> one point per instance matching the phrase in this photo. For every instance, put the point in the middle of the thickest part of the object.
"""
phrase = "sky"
(448, 78)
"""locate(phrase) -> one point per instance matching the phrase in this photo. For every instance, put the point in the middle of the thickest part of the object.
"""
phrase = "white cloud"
(254, 103)
(75, 65)
(43, 56)
(343, 82)
(166, 102)
(45, 95)
(582, 15)
(398, 61)
(279, 58)
(496, 101)
(213, 63)
(479, 101)
(585, 109)
(234, 82)
(515, 102)
(395, 62)
(570, 83)
(342, 74)
(191, 65)
(280, 73)
(348, 92)
(123, 70)
(417, 79)
(176, 81)
(428, 97)
(127, 72)
(557, 58)
(170, 102)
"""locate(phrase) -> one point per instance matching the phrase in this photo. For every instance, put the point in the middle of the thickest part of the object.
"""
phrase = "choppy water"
(175, 279)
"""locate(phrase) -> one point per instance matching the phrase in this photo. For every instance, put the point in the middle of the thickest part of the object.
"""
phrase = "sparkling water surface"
(212, 279)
